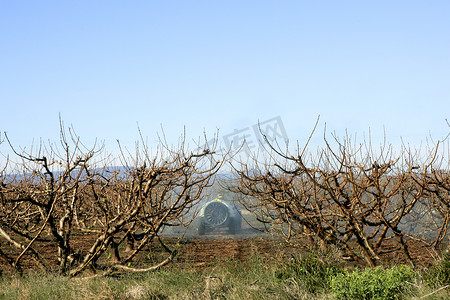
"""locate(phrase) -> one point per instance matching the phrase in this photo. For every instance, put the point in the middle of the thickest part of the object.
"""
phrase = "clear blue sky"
(106, 66)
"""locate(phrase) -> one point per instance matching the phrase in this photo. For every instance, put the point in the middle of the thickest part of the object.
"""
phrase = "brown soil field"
(202, 252)
(199, 252)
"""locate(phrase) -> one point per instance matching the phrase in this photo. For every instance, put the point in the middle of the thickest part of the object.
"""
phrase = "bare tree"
(61, 194)
(347, 195)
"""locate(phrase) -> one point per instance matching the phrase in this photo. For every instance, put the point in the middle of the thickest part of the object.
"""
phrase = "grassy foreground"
(307, 277)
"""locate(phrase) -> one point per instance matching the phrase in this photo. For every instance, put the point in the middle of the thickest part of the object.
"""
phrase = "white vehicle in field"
(219, 214)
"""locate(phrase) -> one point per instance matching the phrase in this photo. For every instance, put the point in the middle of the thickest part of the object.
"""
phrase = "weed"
(439, 273)
(376, 283)
(312, 272)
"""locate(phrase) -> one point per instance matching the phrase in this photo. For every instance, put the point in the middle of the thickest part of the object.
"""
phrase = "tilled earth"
(208, 250)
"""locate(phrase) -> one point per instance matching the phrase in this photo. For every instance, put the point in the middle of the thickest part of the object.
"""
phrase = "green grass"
(309, 276)
(439, 274)
(313, 271)
(226, 280)
(377, 283)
